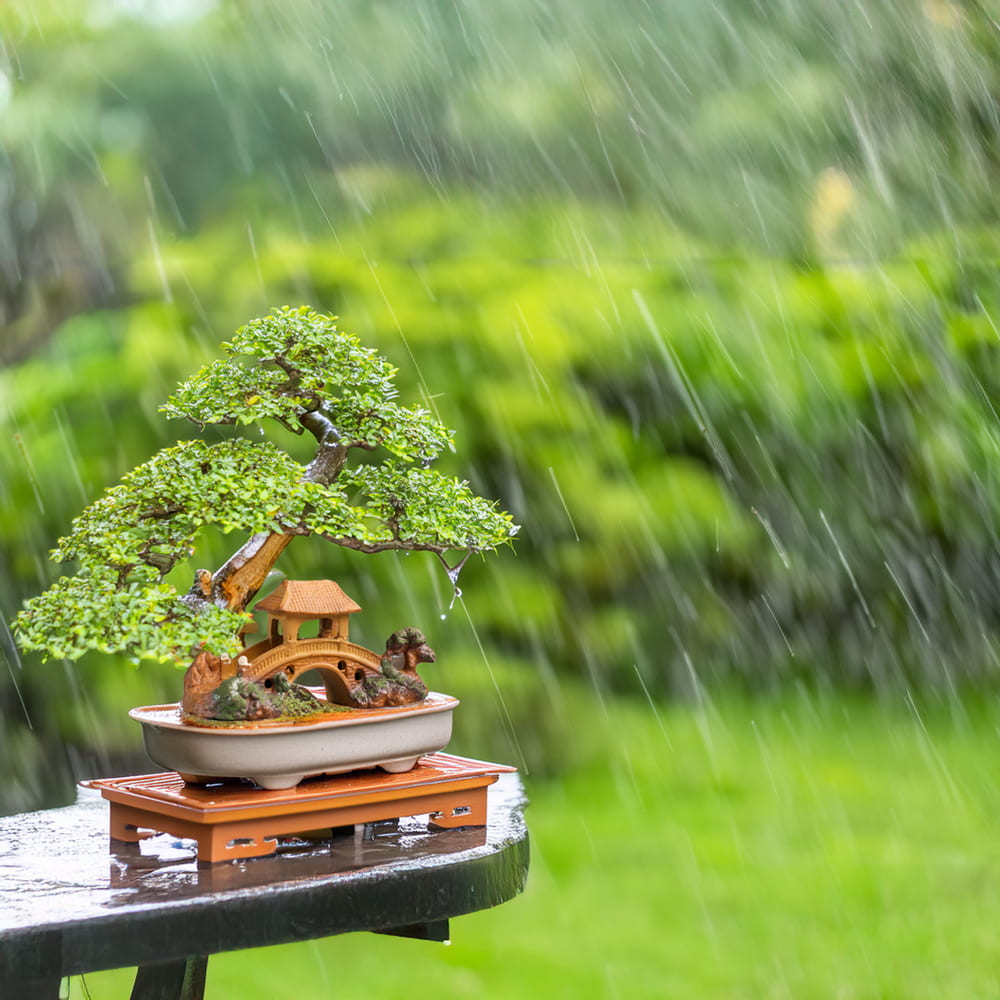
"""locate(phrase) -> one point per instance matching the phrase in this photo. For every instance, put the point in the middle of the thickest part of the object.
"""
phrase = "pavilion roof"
(308, 597)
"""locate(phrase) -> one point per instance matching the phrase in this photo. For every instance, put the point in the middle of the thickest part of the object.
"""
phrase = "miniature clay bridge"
(342, 664)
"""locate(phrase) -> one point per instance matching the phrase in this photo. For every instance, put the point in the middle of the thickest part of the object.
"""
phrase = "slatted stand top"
(170, 794)
(233, 820)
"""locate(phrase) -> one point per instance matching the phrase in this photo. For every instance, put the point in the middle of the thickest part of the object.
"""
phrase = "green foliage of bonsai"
(297, 368)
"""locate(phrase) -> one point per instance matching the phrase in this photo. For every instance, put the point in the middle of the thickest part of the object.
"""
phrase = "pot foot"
(399, 766)
(200, 779)
(274, 782)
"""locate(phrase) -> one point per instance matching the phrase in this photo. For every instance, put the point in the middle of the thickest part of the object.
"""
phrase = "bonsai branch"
(290, 427)
(404, 545)
(320, 426)
(159, 513)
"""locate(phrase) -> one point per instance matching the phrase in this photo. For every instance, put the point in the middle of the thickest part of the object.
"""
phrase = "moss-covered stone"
(240, 699)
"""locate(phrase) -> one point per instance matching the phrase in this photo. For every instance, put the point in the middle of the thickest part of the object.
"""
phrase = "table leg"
(433, 930)
(32, 989)
(181, 979)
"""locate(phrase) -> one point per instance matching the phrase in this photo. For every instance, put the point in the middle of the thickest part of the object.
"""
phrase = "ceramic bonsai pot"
(279, 755)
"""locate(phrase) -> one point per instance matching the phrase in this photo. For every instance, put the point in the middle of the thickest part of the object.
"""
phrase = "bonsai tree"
(297, 370)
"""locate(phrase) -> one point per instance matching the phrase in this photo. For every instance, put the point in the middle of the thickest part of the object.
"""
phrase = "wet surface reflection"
(60, 865)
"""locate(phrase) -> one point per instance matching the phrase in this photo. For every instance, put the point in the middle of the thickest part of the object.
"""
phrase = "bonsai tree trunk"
(234, 584)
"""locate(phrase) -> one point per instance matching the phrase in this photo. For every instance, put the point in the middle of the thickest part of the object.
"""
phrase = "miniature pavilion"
(296, 602)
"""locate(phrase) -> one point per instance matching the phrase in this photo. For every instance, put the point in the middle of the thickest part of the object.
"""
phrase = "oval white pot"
(280, 756)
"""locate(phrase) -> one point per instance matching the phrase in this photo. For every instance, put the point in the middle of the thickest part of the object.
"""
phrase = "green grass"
(790, 849)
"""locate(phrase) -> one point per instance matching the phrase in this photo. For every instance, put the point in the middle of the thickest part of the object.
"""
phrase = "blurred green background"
(709, 292)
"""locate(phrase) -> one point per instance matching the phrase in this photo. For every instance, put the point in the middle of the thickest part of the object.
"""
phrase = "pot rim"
(170, 717)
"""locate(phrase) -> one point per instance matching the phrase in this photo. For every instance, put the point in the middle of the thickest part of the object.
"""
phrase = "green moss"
(328, 710)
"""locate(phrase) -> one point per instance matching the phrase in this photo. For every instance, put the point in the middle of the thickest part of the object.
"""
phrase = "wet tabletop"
(72, 901)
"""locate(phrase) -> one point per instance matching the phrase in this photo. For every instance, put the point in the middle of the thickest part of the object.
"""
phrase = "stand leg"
(123, 825)
(181, 979)
(465, 809)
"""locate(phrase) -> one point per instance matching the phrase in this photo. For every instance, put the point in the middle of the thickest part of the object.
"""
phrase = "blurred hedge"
(724, 469)
(635, 261)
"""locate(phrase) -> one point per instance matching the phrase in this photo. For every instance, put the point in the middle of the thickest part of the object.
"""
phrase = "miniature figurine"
(398, 683)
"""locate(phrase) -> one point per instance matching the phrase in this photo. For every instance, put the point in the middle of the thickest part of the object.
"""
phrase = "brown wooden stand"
(232, 821)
